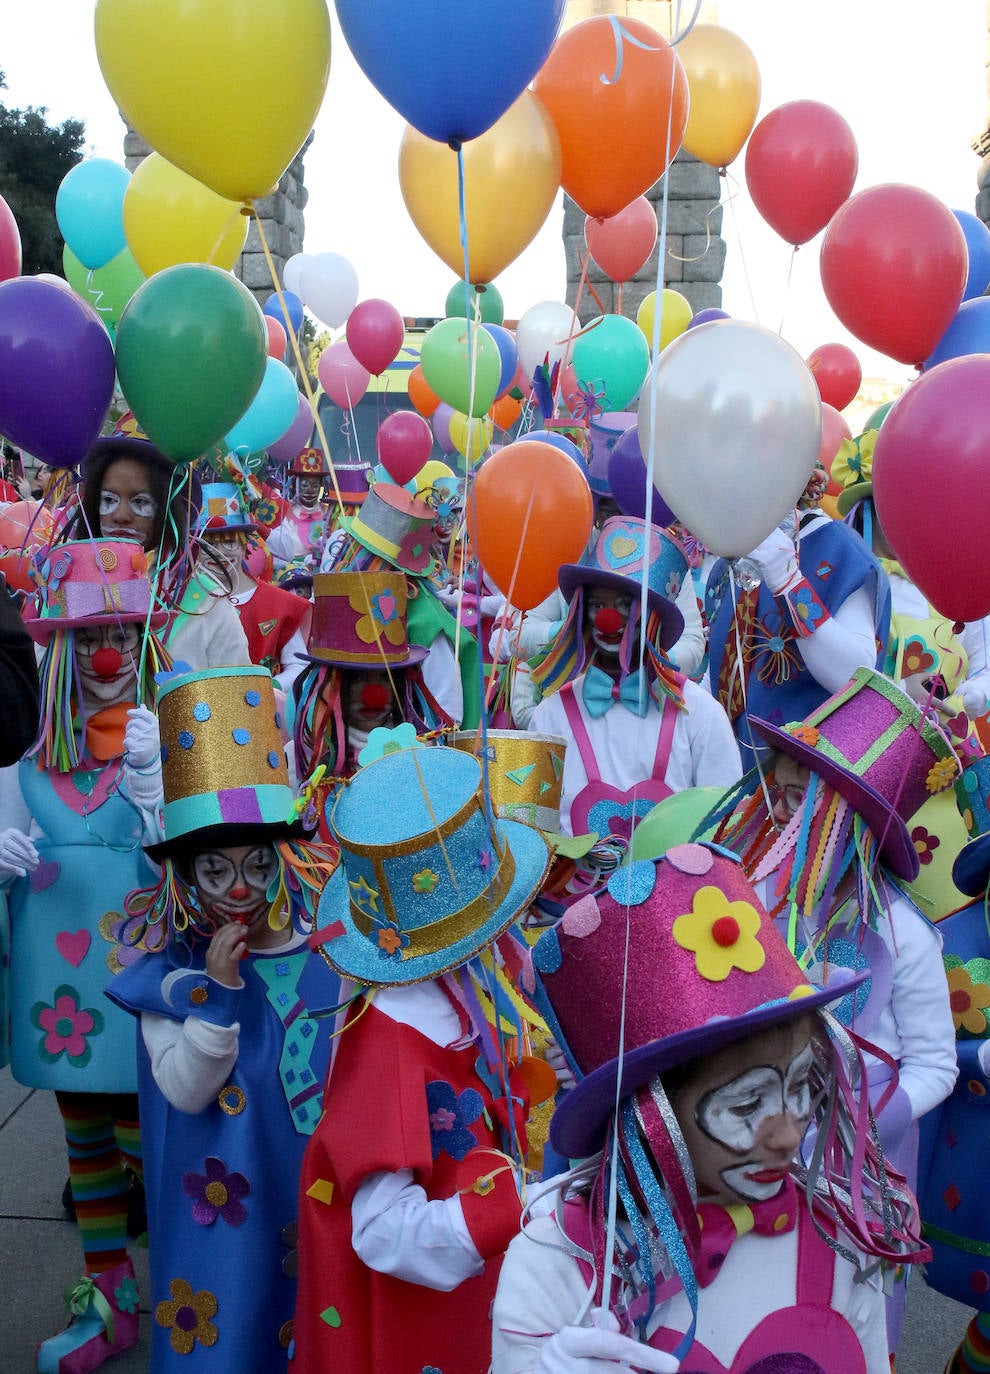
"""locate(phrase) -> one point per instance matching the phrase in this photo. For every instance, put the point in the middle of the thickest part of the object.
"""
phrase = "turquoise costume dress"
(222, 1183)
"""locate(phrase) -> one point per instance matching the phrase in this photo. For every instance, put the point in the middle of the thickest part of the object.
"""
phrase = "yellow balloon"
(471, 435)
(431, 472)
(225, 89)
(511, 175)
(724, 82)
(170, 217)
(675, 316)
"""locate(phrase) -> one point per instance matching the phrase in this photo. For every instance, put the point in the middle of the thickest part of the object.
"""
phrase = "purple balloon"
(56, 371)
(297, 436)
(627, 478)
(706, 316)
(440, 420)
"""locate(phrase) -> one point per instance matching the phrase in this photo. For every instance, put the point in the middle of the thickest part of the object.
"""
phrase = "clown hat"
(428, 877)
(626, 549)
(396, 526)
(852, 467)
(870, 742)
(223, 510)
(606, 430)
(525, 773)
(311, 462)
(359, 621)
(353, 481)
(706, 966)
(972, 864)
(92, 582)
(223, 761)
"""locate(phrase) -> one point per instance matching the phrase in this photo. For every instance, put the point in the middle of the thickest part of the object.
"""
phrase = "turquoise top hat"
(223, 510)
(971, 868)
(428, 877)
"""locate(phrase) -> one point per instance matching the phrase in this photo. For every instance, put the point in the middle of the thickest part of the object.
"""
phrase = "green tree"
(34, 157)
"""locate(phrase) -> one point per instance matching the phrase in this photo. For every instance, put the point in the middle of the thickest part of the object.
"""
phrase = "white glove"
(18, 856)
(142, 740)
(983, 1055)
(777, 560)
(600, 1350)
(557, 1060)
(974, 700)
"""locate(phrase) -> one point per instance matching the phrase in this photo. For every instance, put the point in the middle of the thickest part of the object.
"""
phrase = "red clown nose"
(375, 696)
(608, 621)
(106, 662)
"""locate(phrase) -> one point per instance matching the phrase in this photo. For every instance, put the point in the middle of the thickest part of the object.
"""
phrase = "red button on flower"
(725, 931)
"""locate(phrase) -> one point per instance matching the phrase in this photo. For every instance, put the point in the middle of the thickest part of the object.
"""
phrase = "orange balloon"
(505, 411)
(529, 511)
(615, 89)
(422, 395)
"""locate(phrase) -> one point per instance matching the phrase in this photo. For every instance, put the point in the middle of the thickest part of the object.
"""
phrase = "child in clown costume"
(231, 1058)
(690, 1236)
(75, 814)
(301, 533)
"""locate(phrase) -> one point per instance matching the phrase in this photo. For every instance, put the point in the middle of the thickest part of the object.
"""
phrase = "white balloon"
(732, 416)
(292, 273)
(328, 286)
(546, 332)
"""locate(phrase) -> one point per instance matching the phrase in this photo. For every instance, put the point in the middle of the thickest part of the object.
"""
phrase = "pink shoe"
(105, 1310)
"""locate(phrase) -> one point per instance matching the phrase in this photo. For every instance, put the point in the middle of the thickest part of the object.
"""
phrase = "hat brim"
(353, 955)
(224, 837)
(851, 496)
(574, 575)
(41, 628)
(577, 1128)
(416, 654)
(896, 849)
(971, 866)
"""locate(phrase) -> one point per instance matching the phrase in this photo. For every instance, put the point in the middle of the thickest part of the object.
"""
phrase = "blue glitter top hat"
(971, 868)
(428, 877)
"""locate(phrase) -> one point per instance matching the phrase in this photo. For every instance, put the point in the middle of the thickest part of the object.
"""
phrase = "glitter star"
(425, 880)
(484, 859)
(365, 898)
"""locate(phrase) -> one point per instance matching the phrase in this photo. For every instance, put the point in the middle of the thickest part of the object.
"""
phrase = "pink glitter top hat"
(89, 581)
(870, 742)
(706, 967)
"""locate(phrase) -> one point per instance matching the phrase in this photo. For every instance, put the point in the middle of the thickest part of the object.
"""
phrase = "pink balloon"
(834, 430)
(440, 420)
(930, 462)
(276, 338)
(10, 243)
(341, 375)
(404, 444)
(374, 334)
(622, 243)
(297, 436)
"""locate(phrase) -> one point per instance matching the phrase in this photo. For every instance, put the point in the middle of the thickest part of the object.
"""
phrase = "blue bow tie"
(600, 692)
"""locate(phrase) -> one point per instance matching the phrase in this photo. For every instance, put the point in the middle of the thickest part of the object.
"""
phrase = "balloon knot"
(454, 144)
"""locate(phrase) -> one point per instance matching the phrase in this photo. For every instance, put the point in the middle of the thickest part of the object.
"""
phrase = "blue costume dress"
(222, 1183)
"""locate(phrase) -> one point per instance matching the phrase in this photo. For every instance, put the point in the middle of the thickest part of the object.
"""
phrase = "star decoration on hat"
(721, 934)
(365, 898)
(484, 859)
(424, 881)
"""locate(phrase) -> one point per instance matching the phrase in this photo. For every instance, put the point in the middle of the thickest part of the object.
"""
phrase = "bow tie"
(720, 1226)
(601, 692)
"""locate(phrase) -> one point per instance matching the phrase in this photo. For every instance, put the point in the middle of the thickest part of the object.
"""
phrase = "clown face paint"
(369, 700)
(106, 663)
(744, 1112)
(790, 783)
(606, 615)
(232, 885)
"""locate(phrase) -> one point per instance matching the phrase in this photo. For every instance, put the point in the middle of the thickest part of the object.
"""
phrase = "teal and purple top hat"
(627, 549)
(92, 582)
(706, 966)
(428, 877)
(971, 869)
(223, 511)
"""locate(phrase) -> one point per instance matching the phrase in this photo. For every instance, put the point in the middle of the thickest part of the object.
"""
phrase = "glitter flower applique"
(941, 774)
(217, 1193)
(390, 940)
(382, 741)
(969, 994)
(721, 934)
(187, 1317)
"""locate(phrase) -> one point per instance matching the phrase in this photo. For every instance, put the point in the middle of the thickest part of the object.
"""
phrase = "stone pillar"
(982, 146)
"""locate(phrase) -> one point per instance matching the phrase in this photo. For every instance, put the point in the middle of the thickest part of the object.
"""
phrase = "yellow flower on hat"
(941, 774)
(722, 935)
(967, 1000)
(853, 462)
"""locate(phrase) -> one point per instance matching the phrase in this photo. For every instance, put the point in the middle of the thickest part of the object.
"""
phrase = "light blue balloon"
(270, 413)
(978, 247)
(611, 359)
(89, 208)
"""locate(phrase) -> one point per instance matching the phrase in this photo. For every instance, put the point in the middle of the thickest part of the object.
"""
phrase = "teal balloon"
(448, 365)
(107, 289)
(270, 413)
(89, 208)
(611, 359)
(673, 821)
(483, 303)
(191, 354)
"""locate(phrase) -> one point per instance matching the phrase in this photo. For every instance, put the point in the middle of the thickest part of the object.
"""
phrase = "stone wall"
(983, 177)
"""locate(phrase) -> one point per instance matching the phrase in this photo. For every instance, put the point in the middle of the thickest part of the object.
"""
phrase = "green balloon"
(611, 359)
(878, 416)
(446, 363)
(108, 288)
(191, 354)
(673, 821)
(485, 299)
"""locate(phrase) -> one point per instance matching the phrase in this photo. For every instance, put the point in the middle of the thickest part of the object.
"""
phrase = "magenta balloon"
(56, 371)
(297, 436)
(341, 375)
(374, 334)
(405, 442)
(440, 420)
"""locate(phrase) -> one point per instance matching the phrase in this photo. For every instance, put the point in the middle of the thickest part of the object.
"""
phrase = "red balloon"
(834, 430)
(894, 264)
(930, 463)
(837, 373)
(622, 243)
(404, 443)
(10, 243)
(277, 340)
(374, 334)
(801, 163)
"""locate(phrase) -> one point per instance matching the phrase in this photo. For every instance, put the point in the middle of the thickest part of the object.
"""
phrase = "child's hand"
(227, 948)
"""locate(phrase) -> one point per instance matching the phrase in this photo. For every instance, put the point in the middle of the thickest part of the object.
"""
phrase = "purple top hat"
(606, 430)
(359, 621)
(93, 581)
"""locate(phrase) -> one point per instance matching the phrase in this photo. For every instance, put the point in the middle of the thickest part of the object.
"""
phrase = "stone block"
(701, 295)
(254, 272)
(704, 258)
(634, 293)
(692, 217)
(694, 181)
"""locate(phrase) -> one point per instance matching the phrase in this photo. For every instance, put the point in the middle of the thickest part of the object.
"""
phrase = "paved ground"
(39, 1252)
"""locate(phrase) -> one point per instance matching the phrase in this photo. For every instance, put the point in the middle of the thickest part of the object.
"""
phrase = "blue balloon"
(508, 355)
(270, 413)
(450, 67)
(978, 247)
(89, 208)
(561, 442)
(968, 333)
(293, 305)
(706, 316)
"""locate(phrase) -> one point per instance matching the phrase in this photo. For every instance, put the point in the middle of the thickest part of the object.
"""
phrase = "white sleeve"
(14, 811)
(293, 661)
(443, 677)
(843, 643)
(190, 1061)
(227, 645)
(541, 624)
(715, 760)
(522, 701)
(975, 639)
(540, 1291)
(284, 543)
(920, 1005)
(686, 654)
(397, 1230)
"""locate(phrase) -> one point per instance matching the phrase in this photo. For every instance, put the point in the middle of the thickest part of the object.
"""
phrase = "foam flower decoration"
(187, 1317)
(807, 734)
(968, 1000)
(384, 741)
(853, 462)
(307, 794)
(941, 774)
(721, 934)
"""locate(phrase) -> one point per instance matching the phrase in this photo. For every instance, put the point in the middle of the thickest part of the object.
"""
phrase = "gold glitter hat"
(525, 773)
(223, 761)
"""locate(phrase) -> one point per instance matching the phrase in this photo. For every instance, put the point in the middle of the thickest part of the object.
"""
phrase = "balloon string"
(787, 290)
(731, 202)
(238, 212)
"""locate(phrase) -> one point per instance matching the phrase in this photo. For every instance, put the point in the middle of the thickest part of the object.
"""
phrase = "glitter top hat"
(971, 868)
(223, 761)
(870, 742)
(525, 773)
(706, 966)
(310, 463)
(606, 430)
(427, 876)
(223, 510)
(93, 581)
(852, 466)
(359, 621)
(626, 547)
(395, 525)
